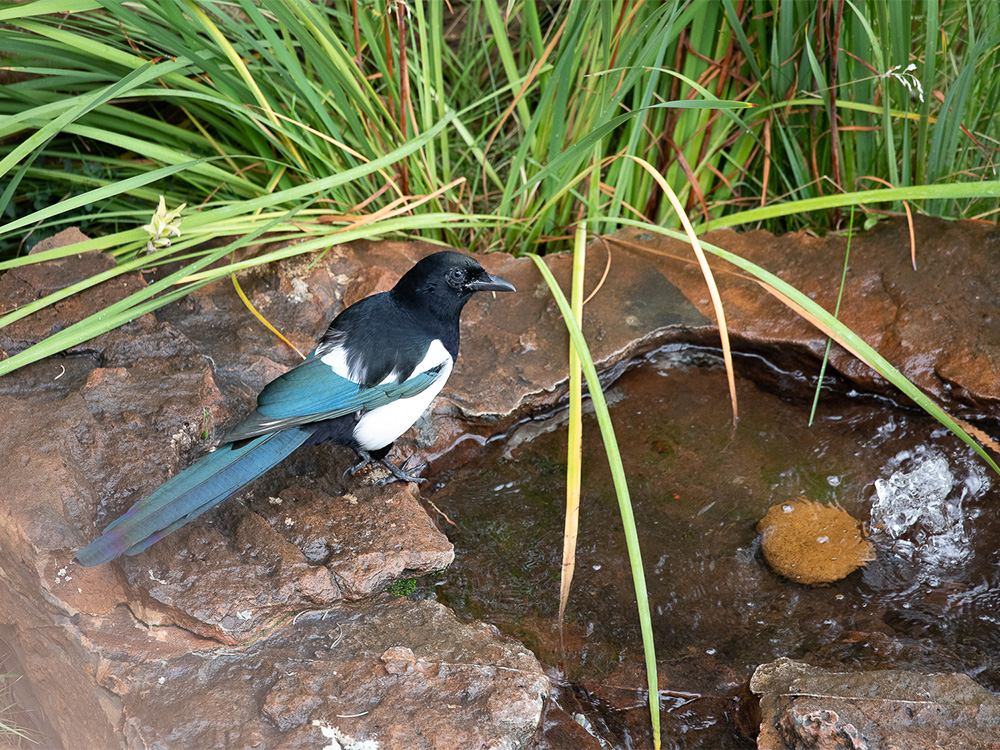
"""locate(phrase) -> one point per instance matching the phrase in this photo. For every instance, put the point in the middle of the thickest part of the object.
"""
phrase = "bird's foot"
(400, 473)
(396, 473)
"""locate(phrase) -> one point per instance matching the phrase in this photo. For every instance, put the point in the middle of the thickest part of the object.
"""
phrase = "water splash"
(921, 514)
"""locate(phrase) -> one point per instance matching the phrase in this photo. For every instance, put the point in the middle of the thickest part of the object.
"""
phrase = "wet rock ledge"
(263, 624)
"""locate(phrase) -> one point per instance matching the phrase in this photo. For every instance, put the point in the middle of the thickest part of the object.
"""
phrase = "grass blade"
(574, 453)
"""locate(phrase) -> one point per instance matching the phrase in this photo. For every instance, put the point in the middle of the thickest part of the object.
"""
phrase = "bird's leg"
(364, 458)
(396, 473)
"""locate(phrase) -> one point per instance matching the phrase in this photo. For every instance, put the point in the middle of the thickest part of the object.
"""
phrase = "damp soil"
(698, 489)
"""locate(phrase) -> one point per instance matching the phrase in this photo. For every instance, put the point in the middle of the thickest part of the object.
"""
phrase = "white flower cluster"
(906, 77)
(164, 225)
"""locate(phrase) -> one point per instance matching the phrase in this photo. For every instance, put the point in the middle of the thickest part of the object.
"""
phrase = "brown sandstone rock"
(325, 671)
(514, 347)
(809, 707)
(89, 433)
(938, 324)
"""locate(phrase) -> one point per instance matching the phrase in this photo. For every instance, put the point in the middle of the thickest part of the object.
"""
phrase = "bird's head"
(444, 282)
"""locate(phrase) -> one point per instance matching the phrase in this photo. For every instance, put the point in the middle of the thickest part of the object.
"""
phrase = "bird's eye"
(456, 277)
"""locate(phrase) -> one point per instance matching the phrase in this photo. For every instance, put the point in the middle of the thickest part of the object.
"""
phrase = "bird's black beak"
(490, 283)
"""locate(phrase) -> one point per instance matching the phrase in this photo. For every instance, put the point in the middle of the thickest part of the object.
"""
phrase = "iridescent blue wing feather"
(313, 392)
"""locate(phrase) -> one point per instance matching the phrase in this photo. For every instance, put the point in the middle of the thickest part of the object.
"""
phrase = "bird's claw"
(352, 470)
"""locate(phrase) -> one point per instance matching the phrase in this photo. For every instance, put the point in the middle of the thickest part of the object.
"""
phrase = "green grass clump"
(485, 126)
(216, 104)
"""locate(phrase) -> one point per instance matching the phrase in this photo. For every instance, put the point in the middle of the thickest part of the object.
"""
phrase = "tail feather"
(201, 486)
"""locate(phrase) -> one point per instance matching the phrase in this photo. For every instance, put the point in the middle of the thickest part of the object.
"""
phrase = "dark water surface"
(698, 489)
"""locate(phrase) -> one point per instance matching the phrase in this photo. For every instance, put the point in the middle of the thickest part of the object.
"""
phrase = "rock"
(390, 672)
(26, 284)
(90, 432)
(366, 538)
(812, 543)
(407, 676)
(808, 707)
(937, 324)
(519, 341)
(821, 729)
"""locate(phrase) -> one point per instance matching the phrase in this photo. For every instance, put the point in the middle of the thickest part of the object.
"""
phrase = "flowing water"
(698, 488)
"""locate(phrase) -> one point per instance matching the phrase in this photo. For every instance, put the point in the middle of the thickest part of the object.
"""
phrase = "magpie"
(374, 372)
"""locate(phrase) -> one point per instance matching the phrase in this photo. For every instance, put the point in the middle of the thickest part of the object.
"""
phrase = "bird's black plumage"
(375, 371)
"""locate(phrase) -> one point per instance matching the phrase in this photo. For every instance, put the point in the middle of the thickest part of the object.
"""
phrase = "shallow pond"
(698, 490)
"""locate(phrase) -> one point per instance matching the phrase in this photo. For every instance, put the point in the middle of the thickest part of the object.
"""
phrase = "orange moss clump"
(812, 543)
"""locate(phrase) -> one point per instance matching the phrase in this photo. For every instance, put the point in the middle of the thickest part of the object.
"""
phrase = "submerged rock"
(812, 543)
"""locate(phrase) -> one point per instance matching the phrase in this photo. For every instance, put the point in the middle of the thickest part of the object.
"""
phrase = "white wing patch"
(336, 358)
(382, 426)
